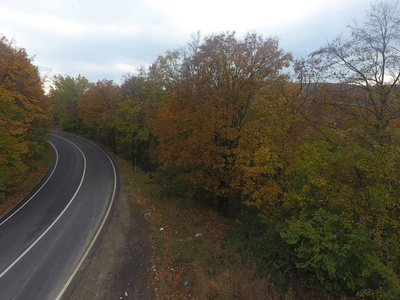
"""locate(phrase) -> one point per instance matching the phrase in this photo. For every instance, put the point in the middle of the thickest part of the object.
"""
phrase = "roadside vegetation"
(261, 174)
(23, 121)
(196, 253)
(27, 184)
(301, 156)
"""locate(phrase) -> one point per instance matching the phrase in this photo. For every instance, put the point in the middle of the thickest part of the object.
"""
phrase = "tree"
(167, 70)
(201, 126)
(141, 97)
(98, 108)
(22, 115)
(321, 164)
(65, 92)
(369, 58)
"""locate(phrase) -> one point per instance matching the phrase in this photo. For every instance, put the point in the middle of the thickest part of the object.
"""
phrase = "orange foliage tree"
(22, 114)
(201, 126)
(98, 108)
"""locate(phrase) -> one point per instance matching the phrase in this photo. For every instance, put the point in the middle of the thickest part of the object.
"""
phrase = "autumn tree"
(333, 184)
(367, 63)
(167, 69)
(22, 114)
(141, 97)
(65, 91)
(369, 58)
(201, 126)
(98, 107)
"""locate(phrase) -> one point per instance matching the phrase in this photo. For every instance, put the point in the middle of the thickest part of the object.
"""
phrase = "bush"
(261, 239)
(319, 249)
(340, 255)
(172, 181)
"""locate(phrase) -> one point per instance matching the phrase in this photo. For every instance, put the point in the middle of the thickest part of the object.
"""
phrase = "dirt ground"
(119, 267)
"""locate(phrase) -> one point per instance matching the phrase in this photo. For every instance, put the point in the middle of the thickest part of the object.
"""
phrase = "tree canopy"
(305, 151)
(22, 114)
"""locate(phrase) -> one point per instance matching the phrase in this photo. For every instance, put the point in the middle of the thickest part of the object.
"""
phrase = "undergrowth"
(197, 253)
(32, 178)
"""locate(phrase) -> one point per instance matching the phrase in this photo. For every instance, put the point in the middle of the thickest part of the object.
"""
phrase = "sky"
(106, 39)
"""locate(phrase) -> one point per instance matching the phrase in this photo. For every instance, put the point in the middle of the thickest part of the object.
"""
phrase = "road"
(45, 239)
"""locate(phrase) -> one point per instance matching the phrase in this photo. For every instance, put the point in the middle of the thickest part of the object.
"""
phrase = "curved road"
(45, 239)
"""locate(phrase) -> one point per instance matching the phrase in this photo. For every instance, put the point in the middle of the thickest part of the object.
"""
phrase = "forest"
(304, 153)
(23, 116)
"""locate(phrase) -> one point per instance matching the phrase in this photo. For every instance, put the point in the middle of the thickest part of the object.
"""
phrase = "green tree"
(321, 164)
(65, 91)
(141, 97)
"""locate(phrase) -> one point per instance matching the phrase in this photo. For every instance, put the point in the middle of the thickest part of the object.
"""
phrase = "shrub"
(172, 181)
(261, 239)
(341, 255)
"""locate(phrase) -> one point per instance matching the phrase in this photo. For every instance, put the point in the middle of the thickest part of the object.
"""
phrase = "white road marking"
(98, 231)
(55, 166)
(55, 221)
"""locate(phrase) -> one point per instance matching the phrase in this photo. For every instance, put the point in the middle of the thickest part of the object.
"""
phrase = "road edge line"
(54, 222)
(101, 227)
(27, 201)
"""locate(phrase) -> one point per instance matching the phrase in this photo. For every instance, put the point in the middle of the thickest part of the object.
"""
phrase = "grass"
(191, 254)
(28, 183)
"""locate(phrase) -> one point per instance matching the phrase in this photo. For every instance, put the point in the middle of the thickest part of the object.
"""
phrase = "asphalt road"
(45, 239)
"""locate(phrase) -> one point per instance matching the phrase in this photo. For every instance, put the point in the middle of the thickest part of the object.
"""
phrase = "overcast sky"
(109, 38)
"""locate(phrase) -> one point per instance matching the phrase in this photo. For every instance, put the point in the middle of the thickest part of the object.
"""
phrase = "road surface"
(45, 239)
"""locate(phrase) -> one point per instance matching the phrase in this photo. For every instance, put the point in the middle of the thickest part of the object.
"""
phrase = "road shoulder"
(119, 267)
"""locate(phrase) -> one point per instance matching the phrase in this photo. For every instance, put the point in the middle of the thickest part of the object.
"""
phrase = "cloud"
(98, 40)
(40, 22)
(221, 15)
(105, 39)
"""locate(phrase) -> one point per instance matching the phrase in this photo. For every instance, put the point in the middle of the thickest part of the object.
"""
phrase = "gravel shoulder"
(119, 267)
